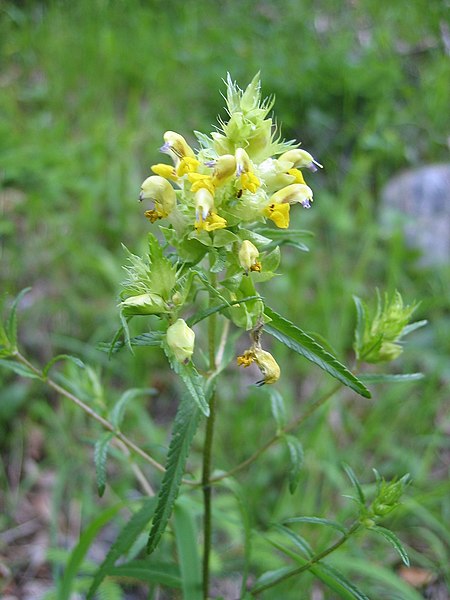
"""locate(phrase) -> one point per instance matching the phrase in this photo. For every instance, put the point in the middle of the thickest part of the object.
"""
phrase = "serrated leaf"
(162, 276)
(316, 521)
(187, 548)
(390, 378)
(126, 538)
(60, 357)
(278, 408)
(390, 536)
(72, 566)
(185, 426)
(155, 573)
(19, 369)
(193, 382)
(296, 339)
(351, 475)
(337, 581)
(296, 456)
(100, 456)
(11, 322)
(119, 407)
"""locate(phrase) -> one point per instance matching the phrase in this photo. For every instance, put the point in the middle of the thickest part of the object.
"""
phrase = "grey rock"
(418, 201)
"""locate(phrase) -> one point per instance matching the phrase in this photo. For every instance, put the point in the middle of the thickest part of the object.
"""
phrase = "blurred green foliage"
(87, 89)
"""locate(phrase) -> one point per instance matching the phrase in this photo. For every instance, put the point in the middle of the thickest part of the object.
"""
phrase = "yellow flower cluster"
(234, 177)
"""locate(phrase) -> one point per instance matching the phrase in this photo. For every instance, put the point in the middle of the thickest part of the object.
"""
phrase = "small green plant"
(219, 216)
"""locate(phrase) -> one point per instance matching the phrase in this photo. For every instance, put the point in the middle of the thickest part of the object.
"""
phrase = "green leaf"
(278, 408)
(223, 237)
(186, 536)
(390, 378)
(280, 235)
(123, 542)
(162, 273)
(153, 338)
(317, 521)
(296, 339)
(393, 540)
(155, 573)
(296, 457)
(60, 357)
(336, 581)
(119, 407)
(100, 456)
(185, 426)
(351, 475)
(219, 308)
(19, 368)
(299, 542)
(193, 382)
(77, 555)
(271, 578)
(413, 326)
(384, 578)
(11, 322)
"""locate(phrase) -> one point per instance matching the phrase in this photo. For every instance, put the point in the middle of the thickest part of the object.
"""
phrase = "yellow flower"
(248, 255)
(159, 190)
(212, 222)
(250, 182)
(265, 361)
(224, 168)
(166, 171)
(278, 213)
(267, 365)
(200, 181)
(301, 158)
(204, 203)
(244, 170)
(176, 145)
(298, 175)
(294, 193)
(187, 165)
(246, 359)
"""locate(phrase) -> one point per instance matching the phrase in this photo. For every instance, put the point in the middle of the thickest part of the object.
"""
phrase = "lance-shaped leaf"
(299, 341)
(127, 536)
(100, 457)
(185, 426)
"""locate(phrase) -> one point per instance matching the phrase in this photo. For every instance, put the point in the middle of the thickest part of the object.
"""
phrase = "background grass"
(87, 90)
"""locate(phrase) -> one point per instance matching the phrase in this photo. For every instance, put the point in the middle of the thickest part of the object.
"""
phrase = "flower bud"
(143, 304)
(301, 158)
(159, 190)
(180, 339)
(176, 145)
(291, 194)
(224, 167)
(248, 255)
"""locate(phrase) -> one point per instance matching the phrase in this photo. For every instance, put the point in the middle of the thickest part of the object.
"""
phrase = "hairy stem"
(207, 450)
(88, 410)
(313, 560)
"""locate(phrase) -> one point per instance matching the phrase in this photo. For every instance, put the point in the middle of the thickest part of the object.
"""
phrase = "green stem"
(312, 561)
(301, 419)
(207, 449)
